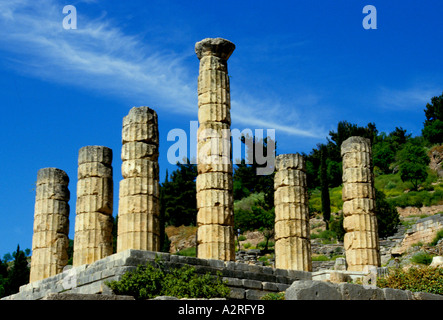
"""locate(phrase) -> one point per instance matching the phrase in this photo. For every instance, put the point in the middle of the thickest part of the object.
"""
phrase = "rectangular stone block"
(360, 240)
(290, 177)
(290, 161)
(51, 206)
(215, 233)
(358, 190)
(211, 62)
(292, 194)
(359, 259)
(94, 203)
(219, 250)
(139, 203)
(133, 150)
(142, 168)
(219, 96)
(51, 222)
(221, 215)
(293, 254)
(211, 80)
(52, 191)
(357, 160)
(214, 163)
(139, 186)
(291, 211)
(292, 228)
(214, 198)
(356, 175)
(360, 222)
(143, 132)
(93, 169)
(214, 112)
(98, 186)
(214, 180)
(138, 222)
(138, 241)
(359, 206)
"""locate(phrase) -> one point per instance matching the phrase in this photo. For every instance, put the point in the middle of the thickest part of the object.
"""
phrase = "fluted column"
(292, 231)
(138, 214)
(361, 241)
(51, 224)
(215, 218)
(93, 222)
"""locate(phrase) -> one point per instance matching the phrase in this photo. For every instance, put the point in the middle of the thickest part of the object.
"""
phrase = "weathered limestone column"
(138, 214)
(215, 218)
(93, 222)
(361, 241)
(51, 224)
(292, 231)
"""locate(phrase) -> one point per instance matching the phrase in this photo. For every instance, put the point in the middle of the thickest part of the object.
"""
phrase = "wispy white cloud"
(411, 98)
(99, 55)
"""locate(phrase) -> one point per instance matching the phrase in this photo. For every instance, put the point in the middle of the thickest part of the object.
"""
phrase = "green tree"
(387, 215)
(18, 274)
(178, 196)
(433, 125)
(413, 162)
(325, 200)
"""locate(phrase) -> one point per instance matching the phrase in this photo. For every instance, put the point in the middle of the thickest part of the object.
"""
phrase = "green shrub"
(149, 281)
(188, 252)
(320, 258)
(422, 258)
(274, 296)
(437, 238)
(241, 238)
(425, 279)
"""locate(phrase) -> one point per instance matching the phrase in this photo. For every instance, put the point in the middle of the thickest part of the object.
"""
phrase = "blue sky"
(299, 67)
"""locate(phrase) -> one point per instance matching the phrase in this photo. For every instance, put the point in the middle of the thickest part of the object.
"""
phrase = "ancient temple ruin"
(138, 200)
(95, 190)
(138, 209)
(292, 231)
(215, 203)
(360, 223)
(51, 224)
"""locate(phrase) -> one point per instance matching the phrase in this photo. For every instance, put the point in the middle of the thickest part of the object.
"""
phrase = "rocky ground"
(323, 253)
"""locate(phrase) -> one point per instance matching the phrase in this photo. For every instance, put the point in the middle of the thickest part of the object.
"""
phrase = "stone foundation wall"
(245, 281)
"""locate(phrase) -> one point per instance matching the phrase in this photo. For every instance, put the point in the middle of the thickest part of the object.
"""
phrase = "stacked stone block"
(361, 241)
(292, 231)
(93, 223)
(51, 224)
(138, 215)
(215, 218)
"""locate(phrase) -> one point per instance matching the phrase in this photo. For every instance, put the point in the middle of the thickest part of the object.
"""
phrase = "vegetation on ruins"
(15, 273)
(150, 281)
(425, 279)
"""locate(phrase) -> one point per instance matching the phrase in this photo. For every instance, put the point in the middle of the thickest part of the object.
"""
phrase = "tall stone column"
(93, 222)
(215, 218)
(361, 241)
(51, 224)
(292, 231)
(138, 214)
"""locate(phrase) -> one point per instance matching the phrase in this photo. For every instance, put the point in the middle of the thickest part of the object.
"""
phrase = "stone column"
(51, 224)
(93, 222)
(361, 241)
(138, 214)
(292, 231)
(215, 218)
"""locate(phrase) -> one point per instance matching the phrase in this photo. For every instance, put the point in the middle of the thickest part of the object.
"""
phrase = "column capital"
(218, 47)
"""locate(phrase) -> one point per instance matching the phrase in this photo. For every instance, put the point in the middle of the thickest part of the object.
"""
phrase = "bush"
(274, 296)
(437, 238)
(422, 258)
(425, 279)
(151, 281)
